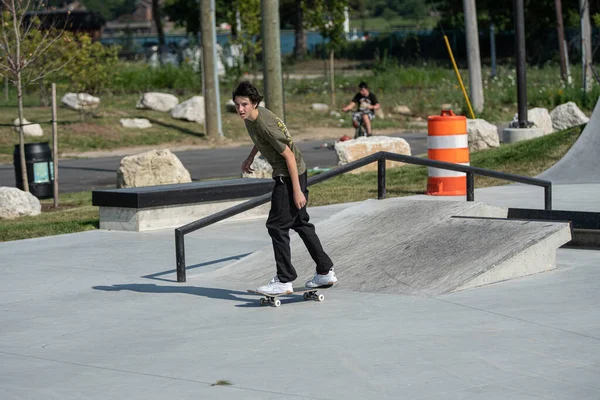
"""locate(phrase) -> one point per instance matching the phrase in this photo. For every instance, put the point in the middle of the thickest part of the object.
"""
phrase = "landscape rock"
(164, 102)
(319, 107)
(156, 167)
(135, 123)
(482, 135)
(401, 109)
(261, 167)
(190, 110)
(567, 116)
(354, 149)
(15, 203)
(80, 101)
(540, 117)
(33, 130)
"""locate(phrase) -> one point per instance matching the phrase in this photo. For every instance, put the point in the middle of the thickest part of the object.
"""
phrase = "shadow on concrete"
(249, 300)
(213, 293)
(156, 276)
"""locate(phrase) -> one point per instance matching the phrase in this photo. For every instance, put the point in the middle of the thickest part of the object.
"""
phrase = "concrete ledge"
(169, 206)
(512, 135)
(153, 218)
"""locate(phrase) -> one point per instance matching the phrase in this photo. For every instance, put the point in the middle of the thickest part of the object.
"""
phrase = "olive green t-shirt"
(270, 136)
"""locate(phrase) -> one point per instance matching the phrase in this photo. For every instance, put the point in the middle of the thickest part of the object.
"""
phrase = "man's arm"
(249, 160)
(290, 160)
(350, 106)
(375, 105)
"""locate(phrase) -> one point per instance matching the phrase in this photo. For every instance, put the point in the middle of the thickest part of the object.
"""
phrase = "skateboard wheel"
(306, 296)
(263, 302)
(277, 303)
(321, 297)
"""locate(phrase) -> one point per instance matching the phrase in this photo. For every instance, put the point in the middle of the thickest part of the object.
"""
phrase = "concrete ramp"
(416, 247)
(581, 164)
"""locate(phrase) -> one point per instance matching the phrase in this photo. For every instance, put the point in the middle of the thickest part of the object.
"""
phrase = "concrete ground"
(99, 315)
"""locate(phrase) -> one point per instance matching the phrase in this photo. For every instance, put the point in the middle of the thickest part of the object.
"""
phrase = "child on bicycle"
(290, 194)
(366, 103)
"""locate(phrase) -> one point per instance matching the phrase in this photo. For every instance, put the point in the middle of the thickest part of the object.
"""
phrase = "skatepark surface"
(99, 315)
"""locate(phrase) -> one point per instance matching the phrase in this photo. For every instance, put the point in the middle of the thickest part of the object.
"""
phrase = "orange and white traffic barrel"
(448, 141)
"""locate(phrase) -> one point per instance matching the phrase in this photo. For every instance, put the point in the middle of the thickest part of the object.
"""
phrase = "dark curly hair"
(247, 89)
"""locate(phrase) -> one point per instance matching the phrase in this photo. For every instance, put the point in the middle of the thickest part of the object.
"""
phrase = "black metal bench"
(167, 206)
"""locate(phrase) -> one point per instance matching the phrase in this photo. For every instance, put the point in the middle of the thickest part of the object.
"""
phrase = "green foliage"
(111, 9)
(92, 65)
(186, 13)
(140, 77)
(248, 38)
(328, 17)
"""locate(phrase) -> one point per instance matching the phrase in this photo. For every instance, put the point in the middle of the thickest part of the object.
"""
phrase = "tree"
(249, 37)
(328, 16)
(159, 27)
(109, 9)
(291, 13)
(22, 46)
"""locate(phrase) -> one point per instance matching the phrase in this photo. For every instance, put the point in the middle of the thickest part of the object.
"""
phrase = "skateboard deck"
(307, 294)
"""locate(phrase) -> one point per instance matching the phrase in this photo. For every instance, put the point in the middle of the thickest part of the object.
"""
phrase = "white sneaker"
(322, 280)
(276, 287)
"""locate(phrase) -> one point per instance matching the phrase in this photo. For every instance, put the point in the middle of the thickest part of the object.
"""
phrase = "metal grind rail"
(381, 157)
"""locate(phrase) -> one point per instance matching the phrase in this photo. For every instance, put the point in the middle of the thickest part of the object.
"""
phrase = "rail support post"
(470, 186)
(180, 255)
(548, 197)
(381, 178)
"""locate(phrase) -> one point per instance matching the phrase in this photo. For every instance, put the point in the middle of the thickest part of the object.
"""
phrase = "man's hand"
(299, 199)
(247, 165)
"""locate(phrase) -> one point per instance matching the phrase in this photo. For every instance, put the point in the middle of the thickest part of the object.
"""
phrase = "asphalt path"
(76, 175)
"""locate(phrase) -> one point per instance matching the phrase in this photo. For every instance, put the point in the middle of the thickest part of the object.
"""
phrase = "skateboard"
(307, 294)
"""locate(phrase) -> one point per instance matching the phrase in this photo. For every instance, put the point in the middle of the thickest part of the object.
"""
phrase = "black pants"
(285, 216)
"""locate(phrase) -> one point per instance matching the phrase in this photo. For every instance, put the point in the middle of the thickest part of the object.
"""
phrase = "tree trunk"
(159, 28)
(586, 45)
(21, 134)
(473, 57)
(272, 57)
(300, 34)
(332, 78)
(561, 39)
(209, 70)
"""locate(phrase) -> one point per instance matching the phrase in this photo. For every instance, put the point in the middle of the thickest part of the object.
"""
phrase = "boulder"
(540, 117)
(16, 203)
(156, 167)
(261, 167)
(482, 135)
(80, 101)
(379, 113)
(190, 110)
(401, 109)
(567, 116)
(157, 101)
(355, 149)
(319, 107)
(135, 123)
(29, 130)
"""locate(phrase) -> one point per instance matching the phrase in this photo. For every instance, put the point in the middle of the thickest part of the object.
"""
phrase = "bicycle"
(360, 130)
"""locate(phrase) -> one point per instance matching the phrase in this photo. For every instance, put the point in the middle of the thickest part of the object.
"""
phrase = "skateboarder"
(289, 197)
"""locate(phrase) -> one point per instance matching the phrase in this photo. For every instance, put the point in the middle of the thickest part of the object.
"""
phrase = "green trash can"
(40, 169)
